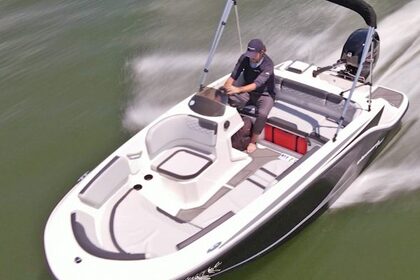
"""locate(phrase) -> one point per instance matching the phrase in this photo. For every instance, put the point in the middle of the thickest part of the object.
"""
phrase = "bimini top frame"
(216, 40)
(369, 15)
(360, 7)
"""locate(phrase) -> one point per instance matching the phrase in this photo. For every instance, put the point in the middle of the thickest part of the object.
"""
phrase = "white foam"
(141, 115)
(379, 185)
(161, 80)
(400, 49)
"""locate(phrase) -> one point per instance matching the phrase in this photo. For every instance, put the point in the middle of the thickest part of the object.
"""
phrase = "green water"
(363, 242)
(78, 78)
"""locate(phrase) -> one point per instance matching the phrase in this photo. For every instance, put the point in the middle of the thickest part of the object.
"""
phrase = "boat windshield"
(209, 102)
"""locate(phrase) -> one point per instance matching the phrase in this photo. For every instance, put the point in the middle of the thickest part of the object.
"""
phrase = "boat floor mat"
(259, 158)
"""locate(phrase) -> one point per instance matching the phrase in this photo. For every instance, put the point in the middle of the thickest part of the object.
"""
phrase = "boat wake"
(377, 185)
(162, 80)
(402, 29)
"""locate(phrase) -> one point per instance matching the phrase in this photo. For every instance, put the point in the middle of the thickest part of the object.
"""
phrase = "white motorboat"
(177, 201)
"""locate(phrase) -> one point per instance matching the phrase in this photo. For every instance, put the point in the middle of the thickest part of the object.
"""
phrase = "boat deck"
(133, 226)
(139, 228)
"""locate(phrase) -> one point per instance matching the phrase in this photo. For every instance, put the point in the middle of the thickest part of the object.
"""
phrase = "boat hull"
(305, 207)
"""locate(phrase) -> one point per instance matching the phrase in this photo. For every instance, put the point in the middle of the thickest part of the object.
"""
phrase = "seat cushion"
(184, 164)
(106, 182)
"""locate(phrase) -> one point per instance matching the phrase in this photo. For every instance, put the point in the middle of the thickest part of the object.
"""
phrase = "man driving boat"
(256, 88)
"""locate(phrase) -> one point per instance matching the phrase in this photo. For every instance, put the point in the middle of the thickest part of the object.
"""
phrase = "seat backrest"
(106, 182)
(315, 100)
(181, 130)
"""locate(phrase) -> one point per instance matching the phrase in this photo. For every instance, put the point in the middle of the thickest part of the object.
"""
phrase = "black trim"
(268, 172)
(166, 214)
(111, 162)
(255, 183)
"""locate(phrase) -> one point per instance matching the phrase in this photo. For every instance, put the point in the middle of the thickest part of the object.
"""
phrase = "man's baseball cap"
(254, 46)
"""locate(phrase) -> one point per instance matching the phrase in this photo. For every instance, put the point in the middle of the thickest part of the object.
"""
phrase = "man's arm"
(229, 82)
(233, 90)
(230, 88)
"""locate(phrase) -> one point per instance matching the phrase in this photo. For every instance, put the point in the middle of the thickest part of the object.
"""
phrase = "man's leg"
(263, 104)
(239, 100)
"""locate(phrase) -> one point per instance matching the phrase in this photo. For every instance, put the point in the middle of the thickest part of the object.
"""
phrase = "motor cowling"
(353, 49)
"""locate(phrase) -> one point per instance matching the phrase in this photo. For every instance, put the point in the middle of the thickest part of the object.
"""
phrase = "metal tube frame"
(238, 27)
(216, 40)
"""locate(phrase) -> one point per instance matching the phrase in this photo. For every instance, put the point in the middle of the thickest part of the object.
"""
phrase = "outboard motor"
(352, 52)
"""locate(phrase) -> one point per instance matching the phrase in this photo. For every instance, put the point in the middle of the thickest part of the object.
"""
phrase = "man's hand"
(232, 90)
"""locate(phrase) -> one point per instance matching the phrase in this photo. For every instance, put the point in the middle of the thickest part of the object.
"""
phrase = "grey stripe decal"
(256, 183)
(268, 172)
(99, 173)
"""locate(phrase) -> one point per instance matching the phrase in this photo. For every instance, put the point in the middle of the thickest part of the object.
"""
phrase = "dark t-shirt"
(262, 75)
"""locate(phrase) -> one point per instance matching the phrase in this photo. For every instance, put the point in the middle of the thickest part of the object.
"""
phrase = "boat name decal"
(206, 274)
(286, 157)
(370, 150)
(215, 246)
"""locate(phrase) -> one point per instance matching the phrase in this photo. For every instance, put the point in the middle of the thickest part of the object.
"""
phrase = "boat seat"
(139, 227)
(312, 99)
(106, 182)
(182, 131)
(179, 139)
(315, 100)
